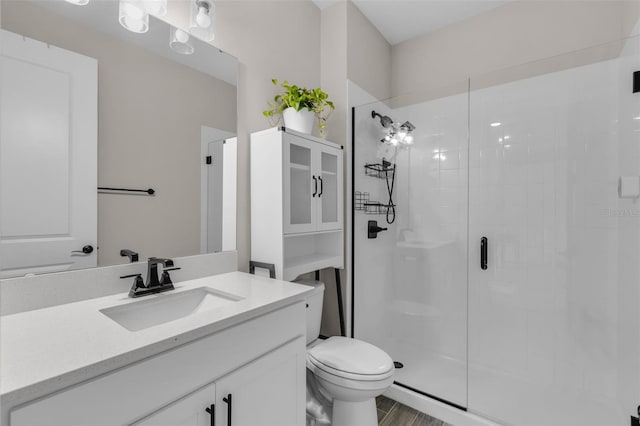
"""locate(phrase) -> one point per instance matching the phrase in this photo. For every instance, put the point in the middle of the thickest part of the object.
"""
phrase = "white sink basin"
(165, 307)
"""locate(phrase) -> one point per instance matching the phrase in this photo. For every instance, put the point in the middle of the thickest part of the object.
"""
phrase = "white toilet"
(349, 373)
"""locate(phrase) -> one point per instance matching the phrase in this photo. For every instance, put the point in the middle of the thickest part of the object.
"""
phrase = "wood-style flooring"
(392, 413)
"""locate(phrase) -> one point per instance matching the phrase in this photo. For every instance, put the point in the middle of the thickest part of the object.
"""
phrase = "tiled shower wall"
(549, 333)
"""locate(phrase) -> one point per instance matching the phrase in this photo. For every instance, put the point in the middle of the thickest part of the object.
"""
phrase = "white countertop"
(45, 350)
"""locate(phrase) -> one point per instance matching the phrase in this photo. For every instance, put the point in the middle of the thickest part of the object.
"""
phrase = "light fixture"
(133, 16)
(201, 19)
(156, 7)
(78, 2)
(397, 134)
(496, 124)
(180, 42)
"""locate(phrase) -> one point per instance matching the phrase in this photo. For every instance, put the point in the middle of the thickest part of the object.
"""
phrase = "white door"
(194, 409)
(215, 169)
(48, 158)
(229, 193)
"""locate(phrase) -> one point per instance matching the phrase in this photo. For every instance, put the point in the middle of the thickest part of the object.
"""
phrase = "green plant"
(296, 97)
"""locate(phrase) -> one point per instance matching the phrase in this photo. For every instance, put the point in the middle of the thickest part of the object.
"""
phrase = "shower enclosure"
(507, 282)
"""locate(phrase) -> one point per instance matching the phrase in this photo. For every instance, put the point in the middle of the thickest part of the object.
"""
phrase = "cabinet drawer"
(130, 393)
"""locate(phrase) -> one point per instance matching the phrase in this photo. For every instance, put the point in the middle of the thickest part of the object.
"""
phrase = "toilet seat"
(350, 359)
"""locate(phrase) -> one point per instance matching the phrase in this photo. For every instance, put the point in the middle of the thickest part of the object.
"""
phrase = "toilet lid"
(351, 356)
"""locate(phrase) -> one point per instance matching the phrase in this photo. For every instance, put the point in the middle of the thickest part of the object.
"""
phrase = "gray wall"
(271, 39)
(517, 33)
(369, 55)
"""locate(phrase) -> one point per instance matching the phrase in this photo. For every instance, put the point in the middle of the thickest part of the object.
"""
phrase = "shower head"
(397, 134)
(385, 121)
(407, 125)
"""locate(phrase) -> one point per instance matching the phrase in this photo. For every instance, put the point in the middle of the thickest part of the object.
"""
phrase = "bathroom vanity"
(226, 350)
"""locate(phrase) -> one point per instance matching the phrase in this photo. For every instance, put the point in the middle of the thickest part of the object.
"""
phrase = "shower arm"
(385, 120)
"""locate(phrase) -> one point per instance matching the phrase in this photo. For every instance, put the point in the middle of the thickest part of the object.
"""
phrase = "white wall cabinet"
(296, 202)
(312, 181)
(260, 363)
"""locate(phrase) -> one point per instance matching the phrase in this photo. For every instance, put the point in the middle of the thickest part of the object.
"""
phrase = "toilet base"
(360, 413)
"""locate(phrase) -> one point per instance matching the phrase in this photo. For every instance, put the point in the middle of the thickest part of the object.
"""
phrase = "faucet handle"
(131, 276)
(138, 282)
(166, 278)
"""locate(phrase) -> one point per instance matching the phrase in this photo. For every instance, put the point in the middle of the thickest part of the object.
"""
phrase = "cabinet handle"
(484, 248)
(212, 411)
(315, 186)
(228, 401)
(321, 186)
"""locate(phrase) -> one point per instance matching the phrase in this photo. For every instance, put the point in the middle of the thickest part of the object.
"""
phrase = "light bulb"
(181, 36)
(409, 139)
(179, 42)
(135, 25)
(402, 134)
(394, 141)
(133, 16)
(203, 19)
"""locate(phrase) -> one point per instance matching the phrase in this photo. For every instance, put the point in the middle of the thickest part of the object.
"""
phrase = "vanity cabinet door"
(188, 411)
(269, 391)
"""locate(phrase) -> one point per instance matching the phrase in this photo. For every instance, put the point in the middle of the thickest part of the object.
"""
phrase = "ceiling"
(401, 20)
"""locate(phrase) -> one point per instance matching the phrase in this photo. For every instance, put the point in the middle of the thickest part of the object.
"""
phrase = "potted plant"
(298, 106)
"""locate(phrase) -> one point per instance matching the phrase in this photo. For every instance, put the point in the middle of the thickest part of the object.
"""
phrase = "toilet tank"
(314, 308)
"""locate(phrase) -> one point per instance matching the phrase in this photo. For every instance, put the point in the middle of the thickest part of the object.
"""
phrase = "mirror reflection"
(86, 104)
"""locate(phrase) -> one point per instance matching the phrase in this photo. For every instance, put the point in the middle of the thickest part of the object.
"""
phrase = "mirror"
(158, 120)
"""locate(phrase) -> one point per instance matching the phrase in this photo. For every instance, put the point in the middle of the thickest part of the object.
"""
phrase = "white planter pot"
(301, 121)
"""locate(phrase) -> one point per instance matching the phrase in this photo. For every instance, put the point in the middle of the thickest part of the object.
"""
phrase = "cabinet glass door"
(300, 186)
(330, 182)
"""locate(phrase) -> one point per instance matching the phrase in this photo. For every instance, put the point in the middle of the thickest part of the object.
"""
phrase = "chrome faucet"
(153, 285)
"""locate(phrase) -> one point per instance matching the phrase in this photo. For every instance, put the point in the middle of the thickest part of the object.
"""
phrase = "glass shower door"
(410, 282)
(553, 319)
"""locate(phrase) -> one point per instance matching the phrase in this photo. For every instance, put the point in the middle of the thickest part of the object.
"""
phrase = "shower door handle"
(484, 249)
